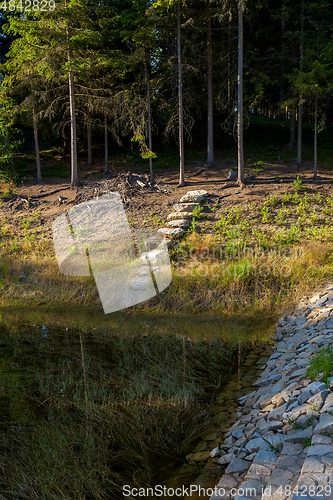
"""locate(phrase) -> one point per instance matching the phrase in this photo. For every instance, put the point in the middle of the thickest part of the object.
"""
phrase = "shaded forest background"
(109, 74)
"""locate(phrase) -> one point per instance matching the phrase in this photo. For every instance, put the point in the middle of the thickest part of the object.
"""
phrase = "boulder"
(185, 207)
(183, 223)
(179, 215)
(194, 196)
(231, 175)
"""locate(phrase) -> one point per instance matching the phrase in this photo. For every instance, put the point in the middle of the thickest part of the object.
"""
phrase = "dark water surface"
(92, 402)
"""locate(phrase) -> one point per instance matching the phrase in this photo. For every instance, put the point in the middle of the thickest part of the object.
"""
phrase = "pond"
(90, 403)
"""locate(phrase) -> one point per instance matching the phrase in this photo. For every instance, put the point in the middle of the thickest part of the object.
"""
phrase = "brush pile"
(126, 184)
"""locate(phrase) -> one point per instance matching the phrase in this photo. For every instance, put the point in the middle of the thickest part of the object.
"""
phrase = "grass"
(321, 364)
(256, 260)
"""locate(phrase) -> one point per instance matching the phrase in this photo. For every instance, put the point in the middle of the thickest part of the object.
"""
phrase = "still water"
(90, 403)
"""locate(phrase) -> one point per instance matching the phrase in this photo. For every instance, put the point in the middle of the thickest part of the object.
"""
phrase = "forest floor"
(150, 208)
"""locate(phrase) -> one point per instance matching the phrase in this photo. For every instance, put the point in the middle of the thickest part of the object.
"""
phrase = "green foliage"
(197, 212)
(306, 442)
(321, 364)
(298, 185)
(8, 147)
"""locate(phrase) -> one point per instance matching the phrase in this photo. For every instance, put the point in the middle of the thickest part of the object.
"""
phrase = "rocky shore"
(281, 446)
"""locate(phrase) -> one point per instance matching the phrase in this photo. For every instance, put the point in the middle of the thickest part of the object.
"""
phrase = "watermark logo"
(129, 266)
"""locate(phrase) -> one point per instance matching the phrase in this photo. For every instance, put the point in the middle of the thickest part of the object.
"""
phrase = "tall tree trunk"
(39, 175)
(89, 138)
(229, 84)
(210, 125)
(150, 141)
(106, 164)
(315, 138)
(180, 98)
(240, 93)
(282, 114)
(300, 107)
(74, 176)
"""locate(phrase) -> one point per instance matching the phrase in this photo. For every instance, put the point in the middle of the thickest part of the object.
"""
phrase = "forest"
(153, 99)
(144, 71)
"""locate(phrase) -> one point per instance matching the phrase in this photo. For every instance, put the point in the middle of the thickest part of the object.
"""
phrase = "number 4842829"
(28, 5)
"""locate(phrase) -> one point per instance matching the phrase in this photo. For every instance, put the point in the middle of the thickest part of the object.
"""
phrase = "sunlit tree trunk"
(39, 174)
(210, 126)
(180, 98)
(106, 164)
(240, 93)
(150, 142)
(89, 138)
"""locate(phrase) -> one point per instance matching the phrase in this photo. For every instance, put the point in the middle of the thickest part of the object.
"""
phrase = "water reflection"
(103, 400)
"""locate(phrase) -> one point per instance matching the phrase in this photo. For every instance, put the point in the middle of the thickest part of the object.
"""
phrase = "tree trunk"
(210, 125)
(180, 98)
(229, 84)
(240, 93)
(292, 127)
(283, 55)
(89, 138)
(300, 107)
(39, 175)
(315, 138)
(150, 142)
(74, 177)
(84, 139)
(106, 164)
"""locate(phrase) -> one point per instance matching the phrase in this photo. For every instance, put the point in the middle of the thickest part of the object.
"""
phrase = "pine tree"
(20, 73)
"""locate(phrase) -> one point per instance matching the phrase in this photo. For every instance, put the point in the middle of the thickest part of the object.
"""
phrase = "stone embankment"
(281, 445)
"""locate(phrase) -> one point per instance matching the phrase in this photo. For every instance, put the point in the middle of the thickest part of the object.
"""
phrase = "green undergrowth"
(321, 364)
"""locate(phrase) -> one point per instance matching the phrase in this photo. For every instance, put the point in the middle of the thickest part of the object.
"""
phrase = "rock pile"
(180, 219)
(282, 443)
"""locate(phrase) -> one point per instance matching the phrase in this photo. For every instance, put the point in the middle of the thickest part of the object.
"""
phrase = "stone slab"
(185, 207)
